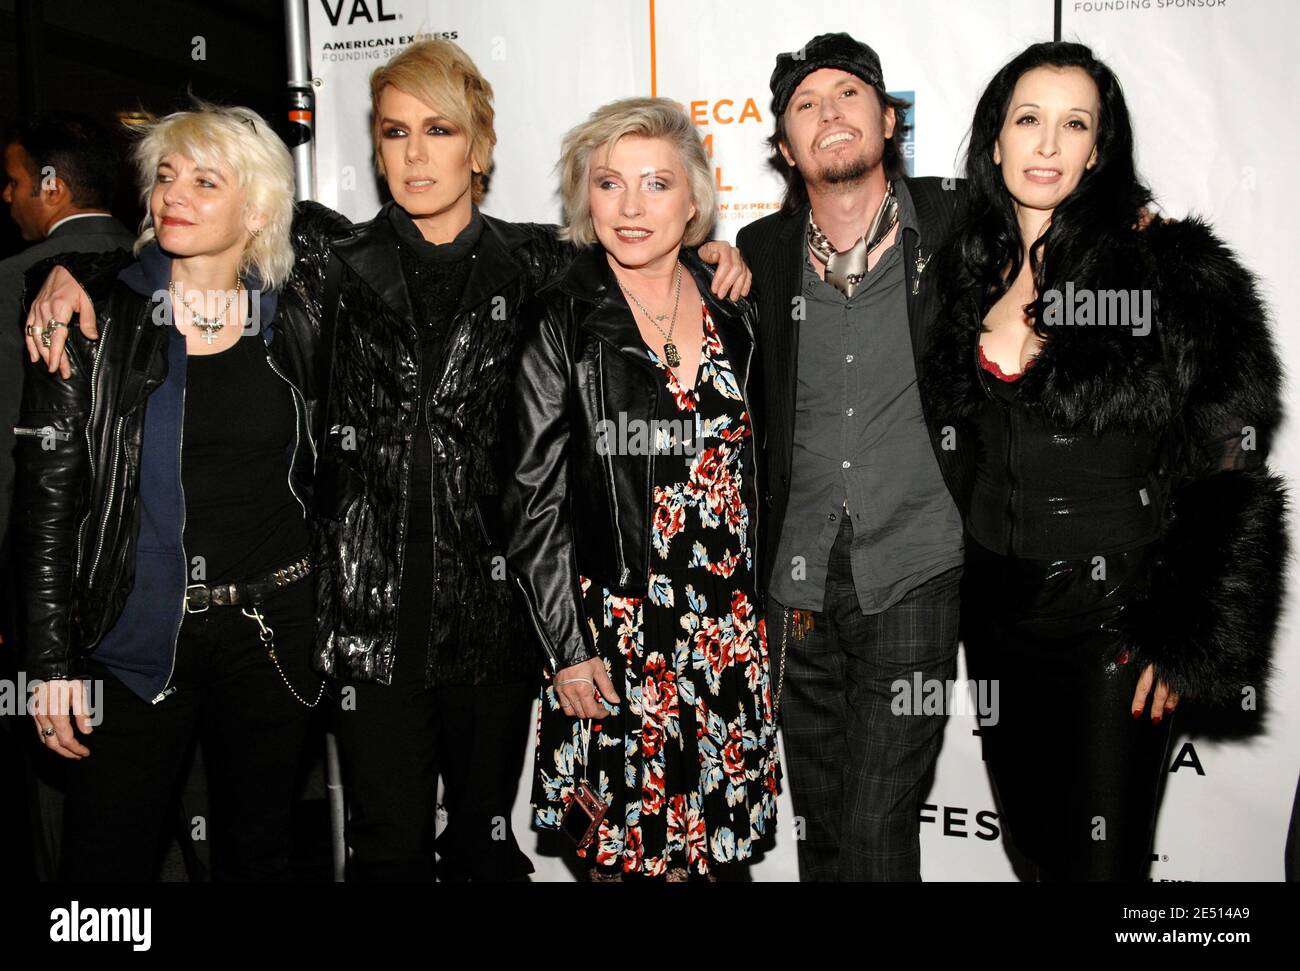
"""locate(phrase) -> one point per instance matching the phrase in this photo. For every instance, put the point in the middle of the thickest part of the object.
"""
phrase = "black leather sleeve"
(53, 490)
(547, 254)
(314, 228)
(96, 273)
(536, 501)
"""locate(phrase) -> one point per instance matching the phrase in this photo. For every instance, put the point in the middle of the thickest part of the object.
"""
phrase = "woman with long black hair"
(1108, 392)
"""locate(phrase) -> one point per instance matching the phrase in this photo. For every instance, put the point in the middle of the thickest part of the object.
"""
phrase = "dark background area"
(105, 57)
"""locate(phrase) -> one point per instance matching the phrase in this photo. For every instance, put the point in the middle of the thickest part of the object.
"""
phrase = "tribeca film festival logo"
(19, 696)
(656, 436)
(1083, 307)
(932, 696)
(75, 924)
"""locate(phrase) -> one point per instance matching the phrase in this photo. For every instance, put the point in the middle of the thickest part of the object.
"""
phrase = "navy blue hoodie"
(140, 647)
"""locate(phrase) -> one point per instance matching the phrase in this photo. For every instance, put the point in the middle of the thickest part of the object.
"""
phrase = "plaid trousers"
(858, 771)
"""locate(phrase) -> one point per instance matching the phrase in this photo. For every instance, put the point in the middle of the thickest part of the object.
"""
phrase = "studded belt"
(199, 597)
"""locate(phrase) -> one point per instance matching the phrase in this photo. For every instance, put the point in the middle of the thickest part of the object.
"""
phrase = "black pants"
(1077, 777)
(396, 739)
(232, 699)
(857, 770)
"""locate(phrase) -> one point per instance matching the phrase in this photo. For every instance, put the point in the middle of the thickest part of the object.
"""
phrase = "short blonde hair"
(240, 141)
(441, 75)
(648, 118)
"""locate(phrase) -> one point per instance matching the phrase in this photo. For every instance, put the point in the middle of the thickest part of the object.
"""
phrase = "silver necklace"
(846, 269)
(671, 354)
(210, 326)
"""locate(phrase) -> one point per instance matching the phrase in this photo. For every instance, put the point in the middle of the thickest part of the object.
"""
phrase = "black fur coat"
(1207, 379)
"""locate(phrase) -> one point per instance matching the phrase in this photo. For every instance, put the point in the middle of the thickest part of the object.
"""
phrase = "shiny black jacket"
(80, 498)
(363, 479)
(571, 510)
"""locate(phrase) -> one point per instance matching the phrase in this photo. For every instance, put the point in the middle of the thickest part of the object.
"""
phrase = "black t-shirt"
(240, 421)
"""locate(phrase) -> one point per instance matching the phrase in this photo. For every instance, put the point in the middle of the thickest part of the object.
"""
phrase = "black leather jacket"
(571, 510)
(364, 473)
(80, 498)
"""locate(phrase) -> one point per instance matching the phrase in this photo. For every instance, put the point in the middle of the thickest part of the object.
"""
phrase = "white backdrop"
(1205, 80)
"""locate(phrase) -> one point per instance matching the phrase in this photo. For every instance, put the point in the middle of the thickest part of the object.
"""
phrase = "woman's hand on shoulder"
(1146, 217)
(731, 279)
(59, 298)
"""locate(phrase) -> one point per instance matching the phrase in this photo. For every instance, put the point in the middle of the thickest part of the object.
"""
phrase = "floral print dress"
(687, 760)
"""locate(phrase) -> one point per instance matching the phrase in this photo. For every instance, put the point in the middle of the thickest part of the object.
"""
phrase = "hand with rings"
(60, 297)
(57, 707)
(581, 686)
(47, 332)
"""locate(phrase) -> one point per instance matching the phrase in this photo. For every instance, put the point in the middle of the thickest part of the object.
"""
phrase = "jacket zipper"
(298, 423)
(90, 453)
(403, 518)
(433, 523)
(185, 561)
(47, 430)
(624, 574)
(113, 441)
(537, 627)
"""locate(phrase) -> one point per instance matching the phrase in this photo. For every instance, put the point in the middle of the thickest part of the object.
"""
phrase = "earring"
(255, 233)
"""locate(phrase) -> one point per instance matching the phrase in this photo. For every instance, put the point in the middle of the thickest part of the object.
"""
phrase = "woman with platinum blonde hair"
(165, 486)
(633, 516)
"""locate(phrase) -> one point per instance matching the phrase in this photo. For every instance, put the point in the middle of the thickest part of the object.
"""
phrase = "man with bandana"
(864, 540)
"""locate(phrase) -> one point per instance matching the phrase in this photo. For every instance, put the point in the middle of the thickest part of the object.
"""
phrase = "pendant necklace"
(671, 354)
(209, 326)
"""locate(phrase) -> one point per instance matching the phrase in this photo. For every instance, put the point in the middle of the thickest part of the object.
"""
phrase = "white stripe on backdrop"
(1205, 79)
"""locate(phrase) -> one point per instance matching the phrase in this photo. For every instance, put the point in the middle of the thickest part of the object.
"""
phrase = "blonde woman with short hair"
(633, 518)
(165, 489)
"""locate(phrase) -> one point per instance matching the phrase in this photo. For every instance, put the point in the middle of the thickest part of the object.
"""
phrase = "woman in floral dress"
(634, 515)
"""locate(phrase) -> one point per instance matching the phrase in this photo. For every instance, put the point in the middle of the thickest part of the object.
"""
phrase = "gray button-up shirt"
(861, 447)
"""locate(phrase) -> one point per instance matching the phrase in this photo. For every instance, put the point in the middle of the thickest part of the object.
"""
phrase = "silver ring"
(46, 732)
(47, 332)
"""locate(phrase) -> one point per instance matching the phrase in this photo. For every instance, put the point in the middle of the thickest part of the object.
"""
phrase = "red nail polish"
(1137, 713)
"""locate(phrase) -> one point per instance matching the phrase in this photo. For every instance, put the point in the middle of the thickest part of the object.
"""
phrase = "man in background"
(60, 172)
